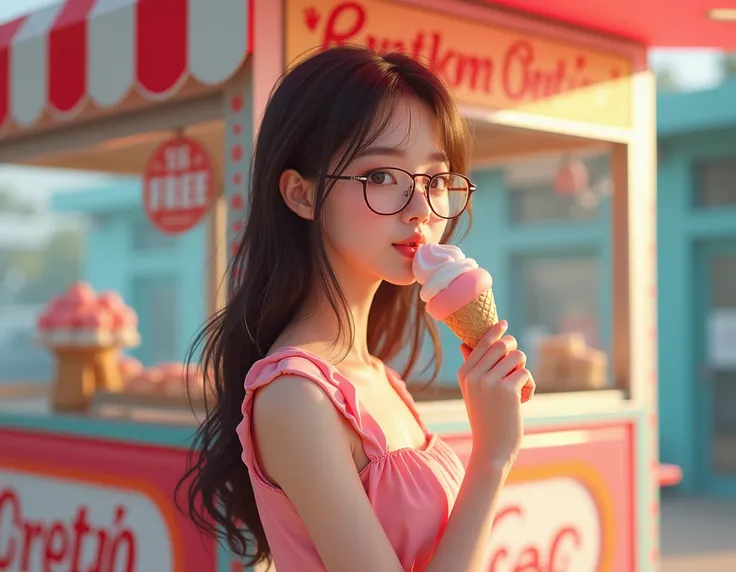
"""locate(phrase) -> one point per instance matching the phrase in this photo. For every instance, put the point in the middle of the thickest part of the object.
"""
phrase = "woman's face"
(371, 245)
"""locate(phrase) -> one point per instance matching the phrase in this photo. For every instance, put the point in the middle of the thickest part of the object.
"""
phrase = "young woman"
(314, 455)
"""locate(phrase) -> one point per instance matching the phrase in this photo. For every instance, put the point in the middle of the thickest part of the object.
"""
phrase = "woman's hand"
(495, 382)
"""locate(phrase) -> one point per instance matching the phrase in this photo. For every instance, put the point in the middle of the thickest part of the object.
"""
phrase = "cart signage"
(486, 65)
(566, 506)
(77, 504)
(58, 524)
(545, 526)
(178, 185)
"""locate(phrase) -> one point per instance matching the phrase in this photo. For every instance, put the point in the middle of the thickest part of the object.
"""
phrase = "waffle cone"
(471, 322)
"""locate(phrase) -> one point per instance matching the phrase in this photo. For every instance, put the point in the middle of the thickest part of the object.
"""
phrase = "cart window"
(536, 199)
(540, 203)
(715, 183)
(561, 328)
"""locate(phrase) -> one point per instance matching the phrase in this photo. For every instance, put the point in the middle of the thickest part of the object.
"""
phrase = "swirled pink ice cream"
(456, 290)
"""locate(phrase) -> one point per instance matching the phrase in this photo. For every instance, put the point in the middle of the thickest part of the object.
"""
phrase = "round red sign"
(178, 185)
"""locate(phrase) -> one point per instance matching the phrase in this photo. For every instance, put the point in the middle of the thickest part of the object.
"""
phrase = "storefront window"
(559, 188)
(561, 329)
(541, 204)
(722, 362)
(715, 183)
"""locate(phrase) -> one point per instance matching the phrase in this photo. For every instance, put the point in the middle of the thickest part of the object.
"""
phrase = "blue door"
(716, 376)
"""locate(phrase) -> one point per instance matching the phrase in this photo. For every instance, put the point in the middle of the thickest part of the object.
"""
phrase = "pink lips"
(407, 250)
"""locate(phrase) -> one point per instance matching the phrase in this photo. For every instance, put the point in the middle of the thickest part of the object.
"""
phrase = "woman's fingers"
(515, 359)
(495, 354)
(521, 379)
(465, 350)
(475, 355)
(528, 390)
(495, 359)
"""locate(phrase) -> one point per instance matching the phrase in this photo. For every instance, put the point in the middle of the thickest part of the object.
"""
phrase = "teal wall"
(691, 127)
(682, 228)
(125, 254)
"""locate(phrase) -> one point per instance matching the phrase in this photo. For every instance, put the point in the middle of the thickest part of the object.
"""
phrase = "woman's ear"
(298, 193)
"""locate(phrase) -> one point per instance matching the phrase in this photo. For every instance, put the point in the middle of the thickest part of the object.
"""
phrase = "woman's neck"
(316, 326)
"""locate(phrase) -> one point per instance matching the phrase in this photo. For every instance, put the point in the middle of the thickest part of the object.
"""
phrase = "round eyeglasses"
(388, 190)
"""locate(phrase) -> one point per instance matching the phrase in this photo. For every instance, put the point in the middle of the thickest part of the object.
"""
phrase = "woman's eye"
(440, 183)
(382, 178)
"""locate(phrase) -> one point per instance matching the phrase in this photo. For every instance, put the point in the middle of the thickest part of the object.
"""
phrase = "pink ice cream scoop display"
(82, 317)
(457, 291)
(86, 331)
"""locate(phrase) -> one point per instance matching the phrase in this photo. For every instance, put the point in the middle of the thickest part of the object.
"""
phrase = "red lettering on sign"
(9, 505)
(25, 542)
(517, 74)
(344, 23)
(533, 557)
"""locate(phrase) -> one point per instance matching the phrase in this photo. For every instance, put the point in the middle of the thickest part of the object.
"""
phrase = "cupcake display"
(86, 331)
(566, 363)
(165, 380)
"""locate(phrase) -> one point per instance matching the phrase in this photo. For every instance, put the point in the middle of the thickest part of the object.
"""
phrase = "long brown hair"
(334, 103)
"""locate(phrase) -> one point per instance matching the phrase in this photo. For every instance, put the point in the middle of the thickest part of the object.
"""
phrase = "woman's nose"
(418, 208)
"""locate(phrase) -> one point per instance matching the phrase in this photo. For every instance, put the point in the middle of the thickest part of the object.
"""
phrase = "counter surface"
(154, 424)
(570, 497)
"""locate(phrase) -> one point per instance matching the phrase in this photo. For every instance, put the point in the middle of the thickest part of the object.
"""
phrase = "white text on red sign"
(185, 191)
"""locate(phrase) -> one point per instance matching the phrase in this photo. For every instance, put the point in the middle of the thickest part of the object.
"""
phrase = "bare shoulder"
(295, 423)
(290, 401)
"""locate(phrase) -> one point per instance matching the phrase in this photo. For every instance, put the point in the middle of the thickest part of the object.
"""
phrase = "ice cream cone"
(471, 322)
(75, 379)
(457, 291)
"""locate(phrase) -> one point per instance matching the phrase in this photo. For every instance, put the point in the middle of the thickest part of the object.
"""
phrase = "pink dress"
(411, 490)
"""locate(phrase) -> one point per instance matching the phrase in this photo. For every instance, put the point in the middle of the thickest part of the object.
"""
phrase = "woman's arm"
(303, 446)
(464, 544)
(494, 382)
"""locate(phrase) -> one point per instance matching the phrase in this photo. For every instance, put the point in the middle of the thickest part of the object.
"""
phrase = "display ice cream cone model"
(86, 331)
(457, 291)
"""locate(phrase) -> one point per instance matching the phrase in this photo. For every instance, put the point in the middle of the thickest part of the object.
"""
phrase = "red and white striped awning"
(61, 59)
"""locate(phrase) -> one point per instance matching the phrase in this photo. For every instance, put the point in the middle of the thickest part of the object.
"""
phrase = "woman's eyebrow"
(437, 156)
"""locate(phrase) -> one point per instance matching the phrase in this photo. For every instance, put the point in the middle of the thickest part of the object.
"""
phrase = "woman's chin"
(400, 278)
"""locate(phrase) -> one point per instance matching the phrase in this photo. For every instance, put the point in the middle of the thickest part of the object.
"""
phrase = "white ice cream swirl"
(435, 266)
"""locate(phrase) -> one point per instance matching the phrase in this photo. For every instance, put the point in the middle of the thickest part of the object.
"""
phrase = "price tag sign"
(178, 185)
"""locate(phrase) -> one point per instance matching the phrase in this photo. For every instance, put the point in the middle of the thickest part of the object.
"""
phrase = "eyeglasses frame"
(364, 179)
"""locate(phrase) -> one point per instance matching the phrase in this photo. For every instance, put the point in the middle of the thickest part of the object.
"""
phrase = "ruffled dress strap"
(342, 393)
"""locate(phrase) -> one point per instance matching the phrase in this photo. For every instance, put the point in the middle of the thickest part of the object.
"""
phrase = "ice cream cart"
(174, 89)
